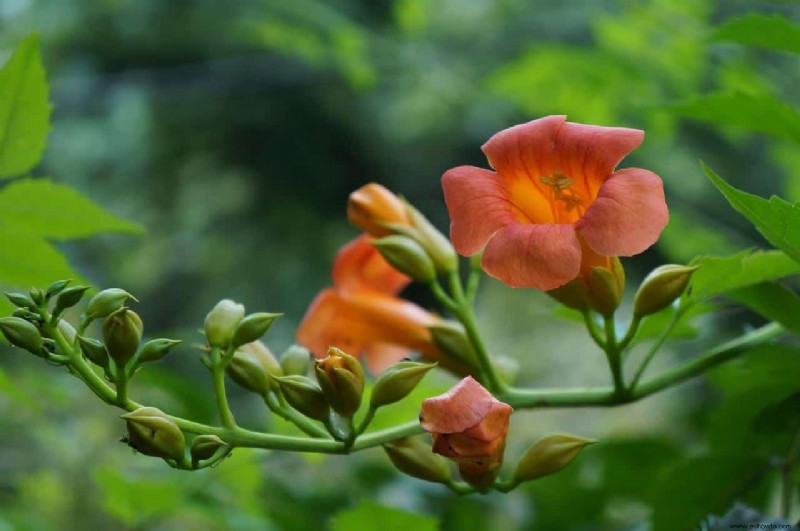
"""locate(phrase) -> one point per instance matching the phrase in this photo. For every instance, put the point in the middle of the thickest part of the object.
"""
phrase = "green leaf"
(776, 219)
(32, 262)
(135, 501)
(698, 487)
(719, 275)
(762, 114)
(765, 31)
(368, 515)
(47, 209)
(24, 109)
(772, 301)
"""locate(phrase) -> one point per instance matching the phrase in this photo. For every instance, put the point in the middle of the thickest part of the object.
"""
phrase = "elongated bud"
(451, 339)
(122, 332)
(253, 367)
(221, 322)
(415, 458)
(252, 327)
(151, 432)
(573, 294)
(295, 360)
(305, 396)
(549, 455)
(22, 334)
(205, 447)
(155, 349)
(661, 287)
(341, 378)
(407, 256)
(38, 296)
(55, 288)
(437, 246)
(106, 302)
(67, 331)
(606, 287)
(21, 300)
(397, 382)
(68, 298)
(94, 351)
(372, 206)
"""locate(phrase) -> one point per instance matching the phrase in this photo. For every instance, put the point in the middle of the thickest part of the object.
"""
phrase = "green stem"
(630, 333)
(654, 348)
(613, 354)
(277, 404)
(594, 331)
(442, 296)
(459, 487)
(218, 378)
(377, 438)
(463, 311)
(121, 385)
(505, 485)
(362, 426)
(473, 281)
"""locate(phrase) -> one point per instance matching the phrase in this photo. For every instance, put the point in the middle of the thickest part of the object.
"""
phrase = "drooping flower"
(468, 425)
(554, 207)
(362, 314)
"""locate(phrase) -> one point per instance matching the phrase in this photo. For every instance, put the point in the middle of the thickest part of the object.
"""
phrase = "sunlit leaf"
(368, 515)
(762, 114)
(24, 109)
(765, 31)
(776, 219)
(47, 209)
(33, 262)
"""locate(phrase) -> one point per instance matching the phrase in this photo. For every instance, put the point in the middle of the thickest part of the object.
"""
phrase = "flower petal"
(478, 207)
(359, 266)
(380, 356)
(462, 407)
(534, 256)
(628, 215)
(330, 321)
(525, 149)
(493, 425)
(588, 154)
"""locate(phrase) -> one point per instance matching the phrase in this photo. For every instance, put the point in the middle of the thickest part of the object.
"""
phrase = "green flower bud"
(68, 298)
(155, 349)
(55, 288)
(122, 332)
(341, 378)
(24, 313)
(221, 322)
(397, 382)
(549, 455)
(417, 459)
(20, 300)
(106, 302)
(94, 351)
(574, 294)
(451, 339)
(606, 287)
(305, 396)
(37, 296)
(661, 287)
(253, 366)
(407, 256)
(67, 331)
(205, 447)
(151, 432)
(22, 334)
(295, 360)
(435, 243)
(253, 327)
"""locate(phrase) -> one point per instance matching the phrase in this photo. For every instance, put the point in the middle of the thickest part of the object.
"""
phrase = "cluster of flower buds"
(403, 235)
(600, 287)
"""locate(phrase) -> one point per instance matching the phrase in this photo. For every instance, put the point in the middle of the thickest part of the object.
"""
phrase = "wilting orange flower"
(469, 425)
(554, 206)
(362, 315)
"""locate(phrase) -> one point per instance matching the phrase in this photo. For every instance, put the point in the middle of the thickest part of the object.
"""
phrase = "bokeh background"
(232, 132)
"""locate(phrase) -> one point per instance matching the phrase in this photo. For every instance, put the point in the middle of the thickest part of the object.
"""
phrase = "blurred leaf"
(24, 109)
(51, 210)
(134, 501)
(762, 114)
(720, 275)
(766, 366)
(706, 233)
(34, 261)
(772, 301)
(11, 390)
(776, 219)
(765, 31)
(368, 515)
(653, 325)
(698, 487)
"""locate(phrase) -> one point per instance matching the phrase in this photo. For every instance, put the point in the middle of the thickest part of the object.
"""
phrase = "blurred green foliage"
(233, 132)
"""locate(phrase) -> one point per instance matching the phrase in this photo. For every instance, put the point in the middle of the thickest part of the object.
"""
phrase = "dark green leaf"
(24, 109)
(760, 114)
(368, 515)
(772, 301)
(777, 219)
(765, 31)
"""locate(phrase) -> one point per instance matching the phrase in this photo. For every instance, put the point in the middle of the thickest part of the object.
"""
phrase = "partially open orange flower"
(372, 206)
(362, 314)
(554, 206)
(469, 425)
